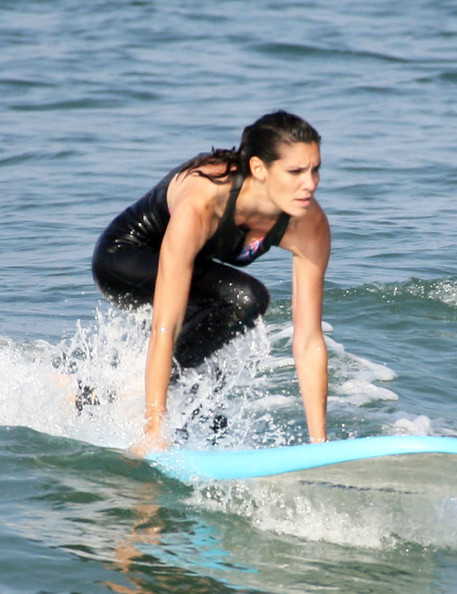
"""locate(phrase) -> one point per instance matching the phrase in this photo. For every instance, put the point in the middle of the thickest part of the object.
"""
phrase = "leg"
(223, 302)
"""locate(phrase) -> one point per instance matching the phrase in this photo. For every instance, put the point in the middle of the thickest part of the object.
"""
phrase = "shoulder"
(195, 191)
(196, 205)
(309, 233)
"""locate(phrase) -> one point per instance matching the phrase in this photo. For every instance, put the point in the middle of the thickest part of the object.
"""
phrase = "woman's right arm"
(187, 232)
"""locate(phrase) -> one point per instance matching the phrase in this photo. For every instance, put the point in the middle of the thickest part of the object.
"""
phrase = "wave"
(440, 291)
(316, 510)
(251, 382)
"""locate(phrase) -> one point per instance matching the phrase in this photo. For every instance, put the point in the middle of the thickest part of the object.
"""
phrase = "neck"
(254, 210)
(253, 201)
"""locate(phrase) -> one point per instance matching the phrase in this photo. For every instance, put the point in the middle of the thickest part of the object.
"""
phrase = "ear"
(258, 168)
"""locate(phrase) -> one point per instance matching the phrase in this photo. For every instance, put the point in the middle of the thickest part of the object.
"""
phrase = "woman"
(225, 206)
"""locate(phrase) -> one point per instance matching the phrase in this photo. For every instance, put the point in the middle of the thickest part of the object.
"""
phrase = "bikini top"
(144, 224)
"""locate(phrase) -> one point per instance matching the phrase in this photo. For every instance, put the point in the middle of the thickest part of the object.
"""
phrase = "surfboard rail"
(188, 465)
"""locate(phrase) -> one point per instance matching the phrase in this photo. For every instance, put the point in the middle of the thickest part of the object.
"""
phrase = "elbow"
(162, 330)
(309, 347)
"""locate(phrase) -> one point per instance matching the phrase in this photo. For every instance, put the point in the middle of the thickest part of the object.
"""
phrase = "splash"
(41, 381)
(320, 511)
(250, 386)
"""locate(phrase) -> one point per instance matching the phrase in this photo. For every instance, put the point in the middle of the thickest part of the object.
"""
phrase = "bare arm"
(310, 245)
(187, 232)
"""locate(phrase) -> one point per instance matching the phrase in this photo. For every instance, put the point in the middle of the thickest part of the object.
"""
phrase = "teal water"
(97, 101)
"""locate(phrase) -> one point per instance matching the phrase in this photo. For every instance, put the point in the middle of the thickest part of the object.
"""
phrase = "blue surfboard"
(189, 465)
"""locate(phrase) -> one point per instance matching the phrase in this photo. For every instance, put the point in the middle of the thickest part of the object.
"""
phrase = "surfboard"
(223, 465)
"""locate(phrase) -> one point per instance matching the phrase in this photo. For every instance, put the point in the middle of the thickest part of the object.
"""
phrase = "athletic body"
(228, 206)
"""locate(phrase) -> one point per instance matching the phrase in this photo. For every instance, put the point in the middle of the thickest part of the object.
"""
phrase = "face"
(292, 179)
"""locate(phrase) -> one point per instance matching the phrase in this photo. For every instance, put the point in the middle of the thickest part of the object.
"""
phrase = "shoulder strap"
(276, 233)
(235, 190)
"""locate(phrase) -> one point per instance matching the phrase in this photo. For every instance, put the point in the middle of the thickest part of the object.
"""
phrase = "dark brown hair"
(261, 139)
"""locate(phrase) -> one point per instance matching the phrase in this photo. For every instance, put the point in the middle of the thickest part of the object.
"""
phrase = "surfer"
(177, 247)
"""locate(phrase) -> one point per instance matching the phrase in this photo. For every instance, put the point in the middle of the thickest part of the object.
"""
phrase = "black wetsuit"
(222, 300)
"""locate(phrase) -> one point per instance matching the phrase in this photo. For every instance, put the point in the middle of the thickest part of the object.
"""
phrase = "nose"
(311, 181)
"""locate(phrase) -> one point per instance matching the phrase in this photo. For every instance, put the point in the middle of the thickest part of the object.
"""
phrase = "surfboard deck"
(223, 465)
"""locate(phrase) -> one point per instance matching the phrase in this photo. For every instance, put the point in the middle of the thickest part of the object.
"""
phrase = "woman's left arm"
(310, 246)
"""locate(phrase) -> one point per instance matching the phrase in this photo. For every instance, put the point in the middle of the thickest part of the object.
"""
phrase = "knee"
(253, 299)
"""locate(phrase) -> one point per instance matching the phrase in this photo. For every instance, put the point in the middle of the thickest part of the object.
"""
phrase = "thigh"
(223, 302)
(217, 282)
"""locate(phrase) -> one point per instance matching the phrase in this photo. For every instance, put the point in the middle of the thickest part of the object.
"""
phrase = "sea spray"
(251, 383)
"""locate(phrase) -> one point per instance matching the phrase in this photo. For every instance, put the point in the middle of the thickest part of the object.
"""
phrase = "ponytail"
(261, 139)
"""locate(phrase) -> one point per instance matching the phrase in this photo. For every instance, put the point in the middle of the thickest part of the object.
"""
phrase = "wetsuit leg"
(223, 301)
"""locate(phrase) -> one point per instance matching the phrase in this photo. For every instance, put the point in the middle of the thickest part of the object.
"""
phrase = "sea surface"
(98, 100)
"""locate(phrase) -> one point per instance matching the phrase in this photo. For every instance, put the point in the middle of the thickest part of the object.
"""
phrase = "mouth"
(303, 201)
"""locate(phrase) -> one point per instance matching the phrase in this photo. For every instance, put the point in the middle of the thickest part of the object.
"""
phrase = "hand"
(149, 443)
(318, 440)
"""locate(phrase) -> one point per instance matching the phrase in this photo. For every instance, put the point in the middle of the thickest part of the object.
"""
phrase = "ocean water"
(97, 101)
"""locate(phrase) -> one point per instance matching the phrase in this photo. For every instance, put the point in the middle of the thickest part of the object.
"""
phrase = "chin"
(300, 209)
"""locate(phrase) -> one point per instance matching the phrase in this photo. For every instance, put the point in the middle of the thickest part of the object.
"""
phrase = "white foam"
(259, 393)
(356, 379)
(364, 518)
(38, 392)
(418, 425)
(261, 402)
(359, 392)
